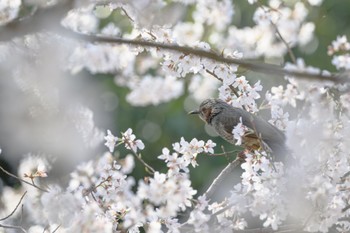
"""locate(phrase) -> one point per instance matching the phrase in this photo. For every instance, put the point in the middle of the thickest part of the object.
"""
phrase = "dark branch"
(20, 179)
(14, 210)
(254, 66)
(45, 19)
(49, 20)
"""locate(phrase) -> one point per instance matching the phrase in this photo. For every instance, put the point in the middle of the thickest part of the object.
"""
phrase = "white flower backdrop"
(160, 51)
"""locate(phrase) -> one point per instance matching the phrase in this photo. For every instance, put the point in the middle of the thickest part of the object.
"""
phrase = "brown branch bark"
(253, 66)
(49, 20)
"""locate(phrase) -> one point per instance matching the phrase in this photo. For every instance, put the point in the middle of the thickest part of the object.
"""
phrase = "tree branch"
(227, 170)
(138, 156)
(49, 19)
(19, 202)
(20, 179)
(286, 228)
(13, 227)
(253, 66)
(290, 52)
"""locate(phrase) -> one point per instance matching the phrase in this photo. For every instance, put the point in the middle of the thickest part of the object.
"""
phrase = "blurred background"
(49, 111)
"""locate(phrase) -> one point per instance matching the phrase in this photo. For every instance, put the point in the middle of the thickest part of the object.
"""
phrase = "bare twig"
(223, 209)
(215, 76)
(20, 179)
(14, 210)
(227, 170)
(151, 170)
(345, 175)
(13, 227)
(226, 153)
(345, 208)
(286, 228)
(127, 15)
(290, 52)
(56, 228)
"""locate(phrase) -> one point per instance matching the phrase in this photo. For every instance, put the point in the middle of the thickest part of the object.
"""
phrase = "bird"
(224, 117)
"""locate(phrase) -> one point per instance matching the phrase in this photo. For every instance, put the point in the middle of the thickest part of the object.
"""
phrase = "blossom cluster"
(263, 40)
(185, 154)
(340, 48)
(262, 180)
(100, 194)
(128, 138)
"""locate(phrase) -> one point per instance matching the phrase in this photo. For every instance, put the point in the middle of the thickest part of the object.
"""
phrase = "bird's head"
(209, 108)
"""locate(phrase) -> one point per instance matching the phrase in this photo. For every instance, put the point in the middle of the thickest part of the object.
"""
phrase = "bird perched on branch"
(224, 117)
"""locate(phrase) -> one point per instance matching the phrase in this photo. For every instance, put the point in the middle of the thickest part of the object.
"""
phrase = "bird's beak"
(193, 112)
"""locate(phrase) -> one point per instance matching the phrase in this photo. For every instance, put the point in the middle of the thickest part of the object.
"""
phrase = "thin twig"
(127, 15)
(226, 153)
(20, 179)
(138, 156)
(286, 228)
(56, 228)
(13, 227)
(223, 210)
(13, 211)
(210, 191)
(227, 170)
(290, 52)
(345, 208)
(345, 175)
(215, 76)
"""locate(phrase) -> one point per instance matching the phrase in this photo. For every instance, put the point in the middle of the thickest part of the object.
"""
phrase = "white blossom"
(9, 10)
(111, 141)
(238, 132)
(33, 166)
(188, 33)
(81, 20)
(163, 90)
(128, 138)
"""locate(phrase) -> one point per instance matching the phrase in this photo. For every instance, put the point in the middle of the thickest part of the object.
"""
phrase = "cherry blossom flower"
(238, 131)
(33, 166)
(111, 141)
(81, 20)
(128, 138)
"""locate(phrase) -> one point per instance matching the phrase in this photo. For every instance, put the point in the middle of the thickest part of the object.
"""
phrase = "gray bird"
(224, 117)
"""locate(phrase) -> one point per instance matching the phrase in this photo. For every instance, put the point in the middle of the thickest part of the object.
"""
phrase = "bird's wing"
(257, 127)
(229, 119)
